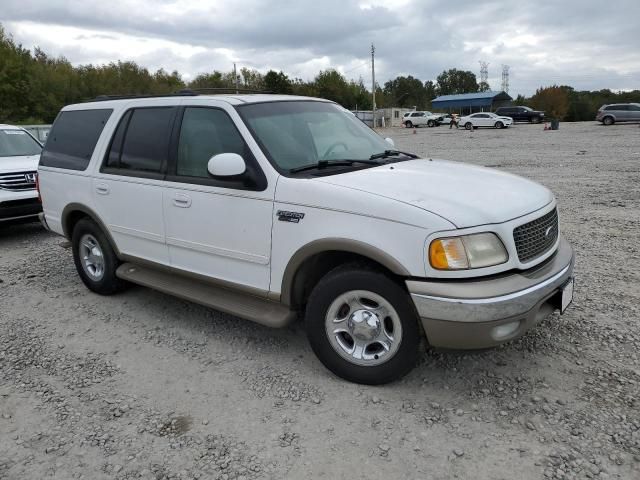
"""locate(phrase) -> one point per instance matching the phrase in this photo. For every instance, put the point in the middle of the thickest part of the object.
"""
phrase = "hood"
(27, 163)
(466, 195)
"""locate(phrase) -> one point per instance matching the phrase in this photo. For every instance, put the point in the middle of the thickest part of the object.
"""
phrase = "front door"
(217, 227)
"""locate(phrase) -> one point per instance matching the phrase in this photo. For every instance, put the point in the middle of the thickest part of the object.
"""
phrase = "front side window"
(141, 141)
(16, 143)
(206, 132)
(294, 134)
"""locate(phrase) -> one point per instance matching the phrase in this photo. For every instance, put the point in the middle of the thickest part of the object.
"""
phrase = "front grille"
(18, 181)
(536, 237)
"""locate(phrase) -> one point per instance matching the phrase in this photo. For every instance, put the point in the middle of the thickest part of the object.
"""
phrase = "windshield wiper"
(332, 163)
(392, 153)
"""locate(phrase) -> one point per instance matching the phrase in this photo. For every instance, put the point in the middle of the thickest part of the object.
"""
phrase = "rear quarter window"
(73, 138)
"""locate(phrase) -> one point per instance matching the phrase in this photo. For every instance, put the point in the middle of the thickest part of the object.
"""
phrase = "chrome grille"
(536, 237)
(18, 181)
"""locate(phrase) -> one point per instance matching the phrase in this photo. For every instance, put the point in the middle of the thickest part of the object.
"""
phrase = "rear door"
(128, 188)
(634, 113)
(217, 227)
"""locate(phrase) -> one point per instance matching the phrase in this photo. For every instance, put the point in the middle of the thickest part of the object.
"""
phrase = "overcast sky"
(588, 44)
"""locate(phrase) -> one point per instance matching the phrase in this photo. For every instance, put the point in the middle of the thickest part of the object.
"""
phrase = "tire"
(408, 124)
(95, 259)
(499, 125)
(468, 126)
(338, 319)
(538, 120)
(608, 120)
(431, 124)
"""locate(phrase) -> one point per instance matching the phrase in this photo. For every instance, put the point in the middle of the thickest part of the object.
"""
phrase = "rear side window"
(73, 138)
(141, 141)
(616, 107)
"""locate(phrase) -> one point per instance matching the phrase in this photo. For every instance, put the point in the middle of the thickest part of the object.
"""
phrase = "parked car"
(485, 119)
(521, 114)
(19, 154)
(619, 112)
(420, 119)
(444, 118)
(269, 207)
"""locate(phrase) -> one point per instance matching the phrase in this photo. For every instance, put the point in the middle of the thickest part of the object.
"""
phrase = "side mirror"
(390, 141)
(226, 165)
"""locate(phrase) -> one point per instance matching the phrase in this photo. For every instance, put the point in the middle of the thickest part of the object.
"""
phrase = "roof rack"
(186, 92)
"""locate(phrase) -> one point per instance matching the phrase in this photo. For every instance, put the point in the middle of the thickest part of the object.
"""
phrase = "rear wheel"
(431, 123)
(362, 325)
(499, 125)
(408, 124)
(468, 126)
(608, 120)
(95, 259)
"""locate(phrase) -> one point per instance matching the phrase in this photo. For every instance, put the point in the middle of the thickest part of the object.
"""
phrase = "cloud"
(589, 45)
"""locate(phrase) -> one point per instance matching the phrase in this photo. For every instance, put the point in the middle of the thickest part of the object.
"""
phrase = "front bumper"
(22, 207)
(466, 313)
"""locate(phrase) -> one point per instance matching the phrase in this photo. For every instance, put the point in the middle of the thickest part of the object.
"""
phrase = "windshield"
(15, 143)
(299, 133)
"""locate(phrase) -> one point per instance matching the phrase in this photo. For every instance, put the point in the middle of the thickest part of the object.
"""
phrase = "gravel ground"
(142, 385)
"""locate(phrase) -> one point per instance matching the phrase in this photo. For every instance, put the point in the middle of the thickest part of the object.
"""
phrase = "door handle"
(181, 200)
(102, 188)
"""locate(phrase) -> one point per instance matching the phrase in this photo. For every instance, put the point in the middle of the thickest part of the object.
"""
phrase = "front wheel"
(468, 126)
(499, 125)
(362, 325)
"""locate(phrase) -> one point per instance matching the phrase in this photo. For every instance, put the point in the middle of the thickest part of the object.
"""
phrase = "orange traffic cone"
(546, 126)
(414, 130)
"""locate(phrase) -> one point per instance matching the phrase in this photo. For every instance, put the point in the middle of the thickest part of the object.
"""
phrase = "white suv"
(267, 206)
(420, 119)
(19, 154)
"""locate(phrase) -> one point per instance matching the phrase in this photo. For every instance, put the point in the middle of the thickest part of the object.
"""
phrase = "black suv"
(521, 114)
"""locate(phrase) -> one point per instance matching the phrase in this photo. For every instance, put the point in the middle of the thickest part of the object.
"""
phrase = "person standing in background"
(454, 121)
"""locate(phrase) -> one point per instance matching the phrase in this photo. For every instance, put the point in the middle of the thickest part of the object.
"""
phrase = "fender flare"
(78, 207)
(336, 245)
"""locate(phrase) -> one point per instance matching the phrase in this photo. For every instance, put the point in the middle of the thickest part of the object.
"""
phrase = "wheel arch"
(312, 261)
(74, 212)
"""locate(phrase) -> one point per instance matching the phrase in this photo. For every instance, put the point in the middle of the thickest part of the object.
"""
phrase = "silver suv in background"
(619, 112)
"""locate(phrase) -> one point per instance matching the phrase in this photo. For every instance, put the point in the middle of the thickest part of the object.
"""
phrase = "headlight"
(468, 251)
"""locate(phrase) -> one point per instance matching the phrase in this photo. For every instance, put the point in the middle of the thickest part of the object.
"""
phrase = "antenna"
(505, 78)
(484, 71)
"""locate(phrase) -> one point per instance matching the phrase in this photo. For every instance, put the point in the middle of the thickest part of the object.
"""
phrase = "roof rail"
(185, 92)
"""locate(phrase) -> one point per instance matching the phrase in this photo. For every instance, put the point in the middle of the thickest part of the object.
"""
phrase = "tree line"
(34, 86)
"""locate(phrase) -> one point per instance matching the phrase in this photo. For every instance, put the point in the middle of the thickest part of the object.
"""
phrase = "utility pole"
(505, 78)
(373, 82)
(484, 72)
(235, 77)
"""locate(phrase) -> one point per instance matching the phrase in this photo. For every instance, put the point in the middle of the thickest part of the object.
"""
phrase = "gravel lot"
(142, 385)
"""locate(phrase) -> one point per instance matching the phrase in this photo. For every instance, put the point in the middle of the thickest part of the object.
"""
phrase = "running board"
(249, 307)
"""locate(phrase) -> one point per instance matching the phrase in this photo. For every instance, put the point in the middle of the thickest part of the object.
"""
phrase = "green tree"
(553, 100)
(456, 81)
(332, 85)
(278, 82)
(407, 92)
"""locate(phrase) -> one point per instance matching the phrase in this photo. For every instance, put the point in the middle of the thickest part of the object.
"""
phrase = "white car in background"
(420, 119)
(485, 119)
(19, 155)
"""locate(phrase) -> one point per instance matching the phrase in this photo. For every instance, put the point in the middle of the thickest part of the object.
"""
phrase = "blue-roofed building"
(465, 103)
